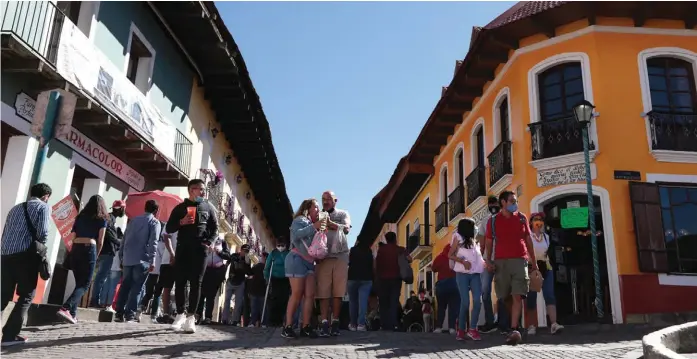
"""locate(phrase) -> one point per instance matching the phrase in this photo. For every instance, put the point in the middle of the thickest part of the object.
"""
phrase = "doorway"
(571, 256)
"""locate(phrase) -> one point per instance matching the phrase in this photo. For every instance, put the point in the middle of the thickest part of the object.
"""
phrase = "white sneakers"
(179, 321)
(555, 328)
(185, 323)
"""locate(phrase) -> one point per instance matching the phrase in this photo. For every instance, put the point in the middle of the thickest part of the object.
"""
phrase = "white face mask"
(281, 248)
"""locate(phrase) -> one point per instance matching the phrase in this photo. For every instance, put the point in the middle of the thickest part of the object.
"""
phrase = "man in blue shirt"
(25, 222)
(137, 257)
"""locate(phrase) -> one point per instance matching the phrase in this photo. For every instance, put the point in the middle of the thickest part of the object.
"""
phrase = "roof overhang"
(403, 186)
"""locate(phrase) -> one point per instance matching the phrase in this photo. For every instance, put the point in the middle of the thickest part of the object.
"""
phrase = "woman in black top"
(360, 281)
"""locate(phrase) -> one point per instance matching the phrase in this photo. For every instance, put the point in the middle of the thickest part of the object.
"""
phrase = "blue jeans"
(467, 283)
(257, 309)
(83, 258)
(448, 297)
(110, 286)
(131, 289)
(487, 281)
(358, 291)
(99, 290)
(547, 292)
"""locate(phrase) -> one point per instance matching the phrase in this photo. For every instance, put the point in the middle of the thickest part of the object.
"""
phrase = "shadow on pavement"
(75, 339)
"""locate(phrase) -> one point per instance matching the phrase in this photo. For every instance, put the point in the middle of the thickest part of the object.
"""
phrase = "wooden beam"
(133, 147)
(542, 25)
(640, 14)
(458, 107)
(469, 92)
(505, 42)
(493, 58)
(448, 120)
(16, 64)
(84, 104)
(691, 16)
(591, 8)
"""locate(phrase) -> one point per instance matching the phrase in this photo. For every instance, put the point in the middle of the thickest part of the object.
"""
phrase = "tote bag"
(404, 267)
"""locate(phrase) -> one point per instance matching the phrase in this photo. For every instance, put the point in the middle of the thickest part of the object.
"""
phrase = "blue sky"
(347, 86)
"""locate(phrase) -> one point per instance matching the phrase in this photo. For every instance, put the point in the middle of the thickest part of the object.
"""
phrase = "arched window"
(672, 85)
(560, 88)
(459, 168)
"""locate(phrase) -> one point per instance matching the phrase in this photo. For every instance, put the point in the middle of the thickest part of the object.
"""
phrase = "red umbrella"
(135, 203)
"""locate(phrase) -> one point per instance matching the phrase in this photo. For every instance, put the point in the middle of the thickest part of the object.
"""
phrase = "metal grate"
(37, 24)
(182, 152)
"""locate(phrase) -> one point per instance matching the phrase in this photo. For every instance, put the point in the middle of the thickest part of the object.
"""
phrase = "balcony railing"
(182, 152)
(476, 184)
(556, 138)
(500, 163)
(442, 216)
(36, 23)
(414, 240)
(456, 202)
(673, 131)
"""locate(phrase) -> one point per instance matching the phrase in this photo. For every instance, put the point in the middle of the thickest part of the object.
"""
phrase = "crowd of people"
(301, 285)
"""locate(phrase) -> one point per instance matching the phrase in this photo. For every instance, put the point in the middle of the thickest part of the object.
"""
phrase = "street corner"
(120, 340)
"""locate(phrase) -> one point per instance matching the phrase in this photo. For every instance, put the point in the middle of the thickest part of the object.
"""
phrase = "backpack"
(318, 248)
(493, 231)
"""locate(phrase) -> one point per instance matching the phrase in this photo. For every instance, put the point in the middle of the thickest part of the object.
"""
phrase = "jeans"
(19, 271)
(209, 289)
(190, 267)
(110, 286)
(358, 291)
(99, 290)
(467, 283)
(148, 292)
(257, 303)
(131, 289)
(238, 292)
(83, 258)
(547, 292)
(278, 301)
(388, 294)
(487, 281)
(447, 296)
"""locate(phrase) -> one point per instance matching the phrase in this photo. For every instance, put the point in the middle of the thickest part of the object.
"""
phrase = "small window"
(139, 64)
(560, 88)
(444, 184)
(672, 85)
(460, 168)
(480, 147)
(503, 120)
(679, 210)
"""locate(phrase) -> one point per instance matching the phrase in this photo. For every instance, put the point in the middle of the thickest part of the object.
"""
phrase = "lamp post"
(583, 112)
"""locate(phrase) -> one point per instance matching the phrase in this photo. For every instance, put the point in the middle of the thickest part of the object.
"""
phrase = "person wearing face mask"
(196, 222)
(509, 249)
(240, 268)
(112, 242)
(275, 272)
(487, 277)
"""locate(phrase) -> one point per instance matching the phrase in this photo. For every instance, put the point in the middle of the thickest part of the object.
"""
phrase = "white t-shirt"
(541, 247)
(472, 255)
(165, 253)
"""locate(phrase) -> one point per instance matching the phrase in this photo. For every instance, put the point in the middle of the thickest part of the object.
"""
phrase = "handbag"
(318, 248)
(536, 281)
(38, 248)
(405, 271)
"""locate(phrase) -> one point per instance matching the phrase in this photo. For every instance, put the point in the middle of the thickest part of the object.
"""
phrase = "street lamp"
(583, 112)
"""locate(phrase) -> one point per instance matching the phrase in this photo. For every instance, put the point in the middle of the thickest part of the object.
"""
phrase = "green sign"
(574, 217)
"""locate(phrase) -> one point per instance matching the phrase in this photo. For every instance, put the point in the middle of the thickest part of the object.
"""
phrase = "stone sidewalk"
(120, 340)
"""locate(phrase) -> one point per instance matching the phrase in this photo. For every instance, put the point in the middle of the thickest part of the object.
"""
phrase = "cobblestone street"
(118, 340)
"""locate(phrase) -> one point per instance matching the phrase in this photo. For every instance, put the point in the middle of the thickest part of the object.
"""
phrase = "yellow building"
(505, 122)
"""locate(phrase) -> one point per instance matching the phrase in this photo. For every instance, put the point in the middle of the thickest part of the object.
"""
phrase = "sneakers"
(308, 332)
(335, 331)
(206, 321)
(361, 328)
(474, 335)
(178, 322)
(452, 331)
(460, 336)
(532, 330)
(555, 328)
(118, 317)
(14, 341)
(352, 328)
(110, 309)
(65, 315)
(153, 319)
(325, 330)
(189, 325)
(514, 338)
(288, 332)
(487, 328)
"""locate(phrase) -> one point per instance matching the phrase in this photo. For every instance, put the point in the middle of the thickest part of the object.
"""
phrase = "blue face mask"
(199, 199)
(512, 207)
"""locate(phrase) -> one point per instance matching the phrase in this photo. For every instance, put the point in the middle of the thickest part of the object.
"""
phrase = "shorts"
(166, 276)
(511, 277)
(297, 267)
(332, 278)
(547, 292)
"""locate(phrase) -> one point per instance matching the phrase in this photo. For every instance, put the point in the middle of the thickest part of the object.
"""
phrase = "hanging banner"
(64, 214)
(25, 107)
(86, 67)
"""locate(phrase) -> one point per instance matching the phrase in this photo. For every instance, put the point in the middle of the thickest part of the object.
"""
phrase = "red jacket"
(441, 265)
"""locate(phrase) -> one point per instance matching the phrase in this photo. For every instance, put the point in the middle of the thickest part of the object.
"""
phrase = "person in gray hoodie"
(300, 267)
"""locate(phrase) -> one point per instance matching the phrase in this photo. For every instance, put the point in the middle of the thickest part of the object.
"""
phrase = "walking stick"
(266, 296)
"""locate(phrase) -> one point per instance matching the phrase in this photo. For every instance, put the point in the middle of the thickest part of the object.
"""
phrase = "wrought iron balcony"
(673, 131)
(442, 216)
(500, 162)
(37, 24)
(556, 138)
(476, 184)
(417, 245)
(456, 202)
(182, 152)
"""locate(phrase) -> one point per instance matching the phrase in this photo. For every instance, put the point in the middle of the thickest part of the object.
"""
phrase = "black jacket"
(257, 284)
(112, 237)
(204, 229)
(239, 268)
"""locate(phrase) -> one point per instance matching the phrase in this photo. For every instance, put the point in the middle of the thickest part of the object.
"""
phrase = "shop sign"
(564, 175)
(64, 214)
(25, 106)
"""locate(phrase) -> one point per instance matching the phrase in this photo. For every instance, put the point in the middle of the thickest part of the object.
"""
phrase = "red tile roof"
(522, 10)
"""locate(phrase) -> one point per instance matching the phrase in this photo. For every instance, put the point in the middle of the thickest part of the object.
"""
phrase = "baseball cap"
(118, 204)
(245, 247)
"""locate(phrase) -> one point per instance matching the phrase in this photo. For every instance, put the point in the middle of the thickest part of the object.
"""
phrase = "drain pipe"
(176, 40)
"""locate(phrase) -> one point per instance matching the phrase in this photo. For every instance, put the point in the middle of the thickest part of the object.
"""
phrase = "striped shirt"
(16, 237)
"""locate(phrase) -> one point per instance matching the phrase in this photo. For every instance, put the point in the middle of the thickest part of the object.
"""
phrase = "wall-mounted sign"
(574, 217)
(25, 106)
(64, 214)
(564, 175)
(628, 175)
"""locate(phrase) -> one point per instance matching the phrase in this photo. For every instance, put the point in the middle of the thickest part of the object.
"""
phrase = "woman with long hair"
(468, 267)
(540, 240)
(88, 238)
(300, 267)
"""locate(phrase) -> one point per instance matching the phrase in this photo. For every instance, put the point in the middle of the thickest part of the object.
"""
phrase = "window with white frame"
(140, 60)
